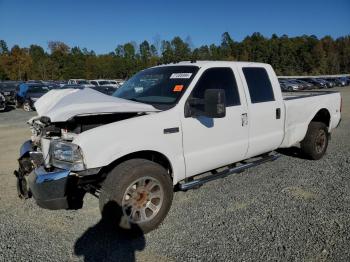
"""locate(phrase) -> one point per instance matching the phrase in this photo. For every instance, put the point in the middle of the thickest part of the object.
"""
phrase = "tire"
(126, 200)
(315, 143)
(27, 107)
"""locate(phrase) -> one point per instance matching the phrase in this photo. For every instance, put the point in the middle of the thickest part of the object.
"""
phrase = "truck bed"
(300, 109)
(303, 94)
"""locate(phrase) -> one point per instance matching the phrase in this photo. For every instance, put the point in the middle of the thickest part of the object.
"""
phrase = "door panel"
(265, 131)
(266, 108)
(211, 143)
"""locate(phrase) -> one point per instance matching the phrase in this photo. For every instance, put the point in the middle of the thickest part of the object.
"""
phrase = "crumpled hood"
(61, 105)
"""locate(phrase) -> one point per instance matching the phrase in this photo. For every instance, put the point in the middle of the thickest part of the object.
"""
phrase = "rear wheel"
(315, 143)
(136, 196)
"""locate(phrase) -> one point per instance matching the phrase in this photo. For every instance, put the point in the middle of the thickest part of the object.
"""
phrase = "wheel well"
(322, 116)
(153, 156)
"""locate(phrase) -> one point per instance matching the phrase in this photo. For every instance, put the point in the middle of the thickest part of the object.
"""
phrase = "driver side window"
(218, 78)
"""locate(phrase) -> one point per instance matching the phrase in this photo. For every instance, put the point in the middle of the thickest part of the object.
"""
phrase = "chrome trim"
(43, 176)
(25, 148)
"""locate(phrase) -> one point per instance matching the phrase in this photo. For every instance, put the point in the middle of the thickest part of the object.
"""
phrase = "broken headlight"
(67, 156)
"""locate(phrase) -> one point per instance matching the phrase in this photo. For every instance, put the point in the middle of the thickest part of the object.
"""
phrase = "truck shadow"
(292, 151)
(106, 241)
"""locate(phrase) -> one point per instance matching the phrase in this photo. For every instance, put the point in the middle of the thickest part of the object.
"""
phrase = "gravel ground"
(291, 209)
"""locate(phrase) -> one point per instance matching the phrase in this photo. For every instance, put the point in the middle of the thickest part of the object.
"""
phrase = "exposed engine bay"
(36, 152)
(42, 127)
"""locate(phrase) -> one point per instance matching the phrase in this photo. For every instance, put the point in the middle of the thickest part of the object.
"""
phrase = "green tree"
(17, 64)
(181, 50)
(145, 52)
(228, 47)
(39, 68)
(58, 59)
(3, 47)
(167, 52)
(129, 51)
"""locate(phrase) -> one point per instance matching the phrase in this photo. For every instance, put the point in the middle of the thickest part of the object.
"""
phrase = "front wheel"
(315, 143)
(27, 107)
(136, 196)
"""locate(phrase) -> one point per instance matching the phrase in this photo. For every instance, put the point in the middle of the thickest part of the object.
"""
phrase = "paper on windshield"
(180, 75)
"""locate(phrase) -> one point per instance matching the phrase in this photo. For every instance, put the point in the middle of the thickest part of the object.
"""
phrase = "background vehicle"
(119, 81)
(341, 81)
(316, 82)
(28, 93)
(105, 89)
(9, 90)
(82, 82)
(2, 102)
(301, 85)
(167, 127)
(333, 82)
(74, 86)
(287, 85)
(348, 79)
(306, 85)
(328, 84)
(103, 82)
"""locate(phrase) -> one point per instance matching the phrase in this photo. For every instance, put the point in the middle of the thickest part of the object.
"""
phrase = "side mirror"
(215, 103)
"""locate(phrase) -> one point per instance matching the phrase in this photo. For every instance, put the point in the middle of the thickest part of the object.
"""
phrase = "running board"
(198, 182)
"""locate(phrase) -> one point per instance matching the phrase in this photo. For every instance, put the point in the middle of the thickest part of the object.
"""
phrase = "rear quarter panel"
(300, 111)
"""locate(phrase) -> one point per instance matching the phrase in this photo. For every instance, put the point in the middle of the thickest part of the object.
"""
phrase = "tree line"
(301, 55)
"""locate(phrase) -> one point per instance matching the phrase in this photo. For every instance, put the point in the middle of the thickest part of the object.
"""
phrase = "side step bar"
(198, 182)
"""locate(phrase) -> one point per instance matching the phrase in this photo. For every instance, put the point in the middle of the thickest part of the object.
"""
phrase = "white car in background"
(104, 82)
(82, 82)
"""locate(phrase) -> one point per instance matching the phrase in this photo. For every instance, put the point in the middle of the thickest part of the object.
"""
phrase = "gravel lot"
(291, 209)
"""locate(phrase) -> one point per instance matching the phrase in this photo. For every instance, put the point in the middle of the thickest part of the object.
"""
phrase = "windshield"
(82, 82)
(104, 82)
(158, 86)
(38, 89)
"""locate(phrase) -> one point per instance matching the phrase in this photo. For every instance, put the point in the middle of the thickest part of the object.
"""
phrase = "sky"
(103, 24)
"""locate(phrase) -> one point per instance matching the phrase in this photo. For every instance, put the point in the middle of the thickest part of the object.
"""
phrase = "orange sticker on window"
(178, 88)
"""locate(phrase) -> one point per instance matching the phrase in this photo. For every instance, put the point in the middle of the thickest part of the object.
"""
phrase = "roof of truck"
(202, 63)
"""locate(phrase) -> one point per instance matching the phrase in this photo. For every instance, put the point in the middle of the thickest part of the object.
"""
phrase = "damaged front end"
(51, 167)
(28, 160)
(52, 188)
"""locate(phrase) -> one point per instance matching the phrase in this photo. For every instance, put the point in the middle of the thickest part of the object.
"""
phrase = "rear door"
(209, 143)
(266, 109)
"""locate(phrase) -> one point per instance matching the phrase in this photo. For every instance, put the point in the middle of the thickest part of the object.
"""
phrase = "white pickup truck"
(170, 127)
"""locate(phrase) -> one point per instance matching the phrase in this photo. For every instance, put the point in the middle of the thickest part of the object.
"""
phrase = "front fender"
(105, 144)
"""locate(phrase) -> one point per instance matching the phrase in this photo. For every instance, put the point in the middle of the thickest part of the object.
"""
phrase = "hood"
(62, 105)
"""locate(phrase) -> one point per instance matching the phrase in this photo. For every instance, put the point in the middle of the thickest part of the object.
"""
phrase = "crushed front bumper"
(52, 188)
(49, 188)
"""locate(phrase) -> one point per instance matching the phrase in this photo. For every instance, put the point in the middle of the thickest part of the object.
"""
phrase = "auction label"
(180, 75)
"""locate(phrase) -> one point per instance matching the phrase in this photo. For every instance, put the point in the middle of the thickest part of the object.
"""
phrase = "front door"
(209, 143)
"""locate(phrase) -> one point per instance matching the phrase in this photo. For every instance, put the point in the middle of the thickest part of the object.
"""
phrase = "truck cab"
(169, 127)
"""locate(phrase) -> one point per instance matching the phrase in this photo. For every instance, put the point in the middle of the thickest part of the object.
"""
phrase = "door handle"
(278, 113)
(244, 118)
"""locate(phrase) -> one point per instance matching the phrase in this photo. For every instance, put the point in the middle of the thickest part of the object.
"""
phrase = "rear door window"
(259, 84)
